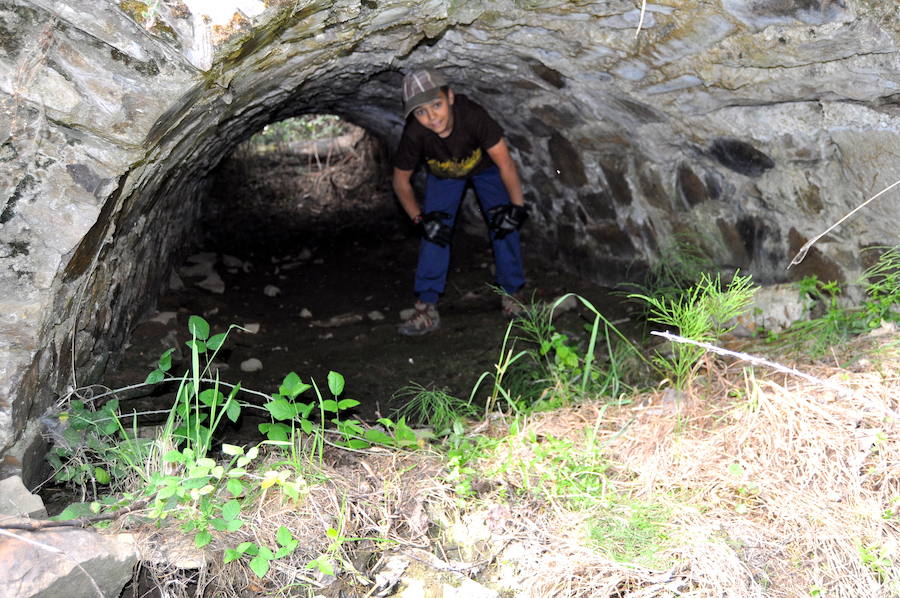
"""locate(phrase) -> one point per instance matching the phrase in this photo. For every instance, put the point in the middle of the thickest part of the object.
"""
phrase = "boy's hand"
(506, 219)
(434, 229)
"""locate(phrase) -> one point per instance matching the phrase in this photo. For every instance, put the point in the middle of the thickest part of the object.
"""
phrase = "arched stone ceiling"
(750, 125)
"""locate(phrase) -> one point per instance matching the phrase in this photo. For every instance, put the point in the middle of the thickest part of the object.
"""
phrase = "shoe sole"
(421, 332)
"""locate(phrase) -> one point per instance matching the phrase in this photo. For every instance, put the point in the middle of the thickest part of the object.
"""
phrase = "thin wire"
(801, 255)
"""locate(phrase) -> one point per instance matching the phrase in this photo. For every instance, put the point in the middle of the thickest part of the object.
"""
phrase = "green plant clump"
(704, 312)
(554, 369)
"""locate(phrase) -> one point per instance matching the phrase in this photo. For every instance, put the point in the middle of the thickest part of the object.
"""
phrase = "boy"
(460, 143)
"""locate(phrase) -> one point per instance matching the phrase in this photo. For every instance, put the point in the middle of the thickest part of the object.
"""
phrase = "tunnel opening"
(301, 244)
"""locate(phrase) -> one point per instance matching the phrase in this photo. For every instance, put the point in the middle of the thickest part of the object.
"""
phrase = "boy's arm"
(406, 195)
(499, 153)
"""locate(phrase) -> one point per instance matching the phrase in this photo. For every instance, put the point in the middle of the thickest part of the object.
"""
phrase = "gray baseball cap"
(420, 87)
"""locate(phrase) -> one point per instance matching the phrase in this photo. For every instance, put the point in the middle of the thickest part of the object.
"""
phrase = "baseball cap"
(420, 87)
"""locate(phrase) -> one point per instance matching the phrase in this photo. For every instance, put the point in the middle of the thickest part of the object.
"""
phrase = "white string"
(801, 255)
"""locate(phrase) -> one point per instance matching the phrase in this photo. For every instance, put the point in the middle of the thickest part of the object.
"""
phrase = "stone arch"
(114, 116)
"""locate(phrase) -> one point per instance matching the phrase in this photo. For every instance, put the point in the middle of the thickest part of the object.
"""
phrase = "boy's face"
(437, 115)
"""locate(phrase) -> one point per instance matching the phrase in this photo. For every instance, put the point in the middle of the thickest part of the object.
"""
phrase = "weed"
(704, 312)
(557, 370)
(632, 532)
(877, 559)
(434, 407)
(882, 287)
(91, 447)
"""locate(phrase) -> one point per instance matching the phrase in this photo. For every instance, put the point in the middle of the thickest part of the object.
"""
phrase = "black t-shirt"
(461, 154)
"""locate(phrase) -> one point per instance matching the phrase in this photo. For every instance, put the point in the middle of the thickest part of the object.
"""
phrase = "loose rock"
(17, 501)
(251, 365)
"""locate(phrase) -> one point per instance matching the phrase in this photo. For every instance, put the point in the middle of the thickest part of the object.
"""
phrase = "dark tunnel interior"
(302, 245)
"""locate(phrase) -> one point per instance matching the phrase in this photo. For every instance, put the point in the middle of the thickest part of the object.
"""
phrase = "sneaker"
(425, 319)
(512, 305)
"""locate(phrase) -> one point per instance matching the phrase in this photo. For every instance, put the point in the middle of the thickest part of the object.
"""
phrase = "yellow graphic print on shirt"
(455, 168)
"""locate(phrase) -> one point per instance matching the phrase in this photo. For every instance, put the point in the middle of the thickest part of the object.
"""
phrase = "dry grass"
(770, 487)
(775, 486)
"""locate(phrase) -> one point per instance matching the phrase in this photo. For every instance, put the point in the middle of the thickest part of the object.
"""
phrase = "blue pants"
(445, 195)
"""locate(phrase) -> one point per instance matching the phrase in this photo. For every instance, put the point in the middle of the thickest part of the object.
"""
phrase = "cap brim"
(419, 99)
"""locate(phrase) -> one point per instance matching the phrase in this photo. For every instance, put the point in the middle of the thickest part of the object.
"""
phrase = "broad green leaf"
(332, 533)
(248, 548)
(356, 443)
(101, 475)
(265, 553)
(404, 434)
(165, 360)
(335, 383)
(167, 492)
(260, 566)
(211, 396)
(233, 410)
(196, 345)
(378, 437)
(350, 426)
(234, 525)
(284, 536)
(173, 456)
(291, 491)
(278, 432)
(74, 511)
(231, 509)
(281, 409)
(284, 551)
(304, 409)
(232, 449)
(330, 405)
(220, 525)
(198, 327)
(306, 426)
(252, 452)
(194, 483)
(322, 565)
(203, 538)
(215, 342)
(347, 403)
(237, 472)
(231, 555)
(72, 436)
(206, 462)
(235, 487)
(292, 385)
(155, 377)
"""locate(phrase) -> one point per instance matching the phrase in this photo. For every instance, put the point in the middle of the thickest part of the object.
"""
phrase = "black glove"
(434, 228)
(506, 219)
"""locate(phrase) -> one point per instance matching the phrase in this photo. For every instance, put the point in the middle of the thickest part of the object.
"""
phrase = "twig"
(801, 255)
(37, 525)
(843, 390)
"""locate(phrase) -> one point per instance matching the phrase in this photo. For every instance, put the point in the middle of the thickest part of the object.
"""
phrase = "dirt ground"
(316, 257)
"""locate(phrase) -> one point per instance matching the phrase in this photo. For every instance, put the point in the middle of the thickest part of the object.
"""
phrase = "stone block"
(17, 501)
(74, 563)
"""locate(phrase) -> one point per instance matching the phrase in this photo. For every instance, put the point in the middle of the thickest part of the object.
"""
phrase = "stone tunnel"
(749, 125)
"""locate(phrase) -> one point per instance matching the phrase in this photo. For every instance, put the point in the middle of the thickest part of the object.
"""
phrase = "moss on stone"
(135, 9)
